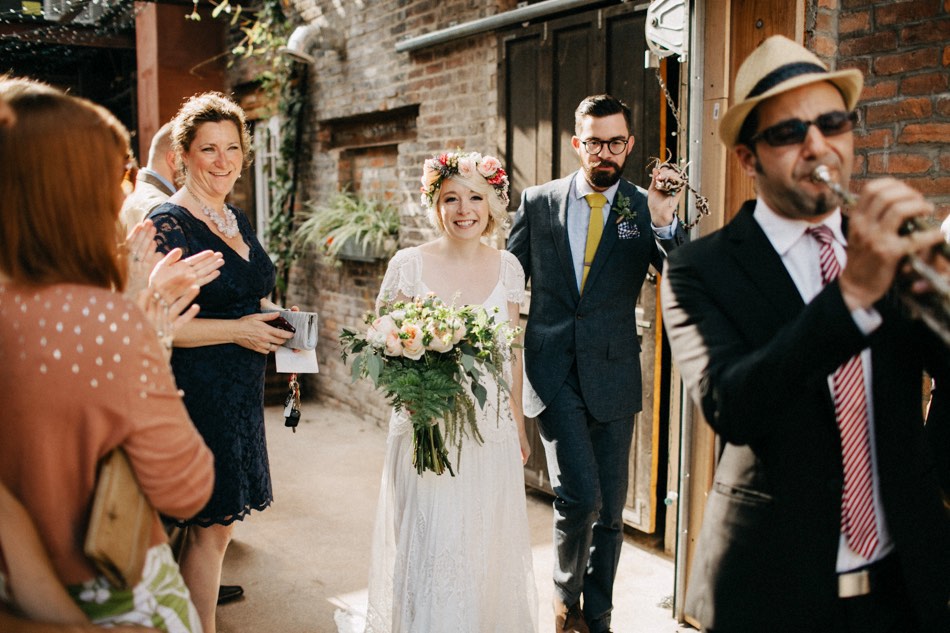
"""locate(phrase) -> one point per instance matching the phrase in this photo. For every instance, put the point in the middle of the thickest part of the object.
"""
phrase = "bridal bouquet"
(419, 353)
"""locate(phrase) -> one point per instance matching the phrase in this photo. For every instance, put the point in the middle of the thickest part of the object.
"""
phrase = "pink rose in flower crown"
(430, 173)
(488, 166)
(466, 166)
(411, 336)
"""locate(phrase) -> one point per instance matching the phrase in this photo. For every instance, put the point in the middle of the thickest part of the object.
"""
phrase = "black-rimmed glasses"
(614, 146)
(794, 131)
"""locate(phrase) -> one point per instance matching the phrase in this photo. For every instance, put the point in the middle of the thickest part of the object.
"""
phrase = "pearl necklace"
(227, 225)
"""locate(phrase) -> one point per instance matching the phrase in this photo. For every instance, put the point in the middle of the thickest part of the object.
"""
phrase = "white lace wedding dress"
(452, 554)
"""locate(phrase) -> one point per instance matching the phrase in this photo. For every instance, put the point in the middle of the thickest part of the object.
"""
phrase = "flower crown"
(465, 164)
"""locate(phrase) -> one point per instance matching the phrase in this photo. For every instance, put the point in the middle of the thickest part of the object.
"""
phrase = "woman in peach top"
(83, 370)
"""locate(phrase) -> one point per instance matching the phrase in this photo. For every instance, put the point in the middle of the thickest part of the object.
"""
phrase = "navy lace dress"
(224, 384)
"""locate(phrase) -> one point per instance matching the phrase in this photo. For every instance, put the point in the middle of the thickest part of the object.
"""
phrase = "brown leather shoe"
(569, 619)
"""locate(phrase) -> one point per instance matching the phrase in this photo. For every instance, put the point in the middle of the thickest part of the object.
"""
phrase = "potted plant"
(350, 227)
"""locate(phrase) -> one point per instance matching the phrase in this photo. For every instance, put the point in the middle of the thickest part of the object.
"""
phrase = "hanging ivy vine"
(263, 32)
(280, 242)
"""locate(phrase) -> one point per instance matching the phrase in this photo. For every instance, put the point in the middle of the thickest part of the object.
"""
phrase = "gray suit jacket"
(596, 330)
(149, 193)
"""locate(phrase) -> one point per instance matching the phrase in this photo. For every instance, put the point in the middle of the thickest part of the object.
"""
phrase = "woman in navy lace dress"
(219, 357)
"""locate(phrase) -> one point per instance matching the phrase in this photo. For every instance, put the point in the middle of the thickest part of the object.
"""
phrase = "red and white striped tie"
(858, 522)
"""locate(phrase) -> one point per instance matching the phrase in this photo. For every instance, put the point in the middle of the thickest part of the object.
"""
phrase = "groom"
(585, 242)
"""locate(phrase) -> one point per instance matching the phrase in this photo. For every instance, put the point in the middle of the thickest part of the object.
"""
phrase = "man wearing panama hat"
(825, 513)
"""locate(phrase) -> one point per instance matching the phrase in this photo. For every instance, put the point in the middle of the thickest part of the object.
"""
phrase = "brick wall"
(903, 49)
(454, 88)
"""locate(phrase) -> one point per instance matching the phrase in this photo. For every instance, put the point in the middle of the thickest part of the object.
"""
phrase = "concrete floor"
(304, 562)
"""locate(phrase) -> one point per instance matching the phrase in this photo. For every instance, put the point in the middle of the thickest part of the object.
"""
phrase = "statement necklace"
(227, 225)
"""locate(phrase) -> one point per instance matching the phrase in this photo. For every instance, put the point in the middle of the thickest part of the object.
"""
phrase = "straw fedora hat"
(776, 66)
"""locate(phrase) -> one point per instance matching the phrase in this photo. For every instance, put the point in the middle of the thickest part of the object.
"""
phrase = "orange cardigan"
(81, 372)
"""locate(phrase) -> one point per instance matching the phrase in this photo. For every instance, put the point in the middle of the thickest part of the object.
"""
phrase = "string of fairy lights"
(26, 26)
(43, 27)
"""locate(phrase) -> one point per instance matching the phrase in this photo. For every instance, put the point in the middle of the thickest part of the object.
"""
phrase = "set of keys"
(292, 404)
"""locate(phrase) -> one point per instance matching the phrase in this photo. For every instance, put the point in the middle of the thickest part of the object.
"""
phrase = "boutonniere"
(626, 218)
(622, 209)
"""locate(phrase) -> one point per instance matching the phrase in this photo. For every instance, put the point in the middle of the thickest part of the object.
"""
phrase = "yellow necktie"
(594, 230)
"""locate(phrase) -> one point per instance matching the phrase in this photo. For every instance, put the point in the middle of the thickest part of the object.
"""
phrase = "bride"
(451, 554)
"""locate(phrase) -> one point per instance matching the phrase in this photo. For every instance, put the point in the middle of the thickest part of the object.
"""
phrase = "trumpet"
(933, 307)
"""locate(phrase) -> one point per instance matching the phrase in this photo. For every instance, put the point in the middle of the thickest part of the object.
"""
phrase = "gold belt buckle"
(853, 584)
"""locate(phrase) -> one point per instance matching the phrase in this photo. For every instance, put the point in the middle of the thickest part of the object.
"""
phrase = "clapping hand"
(163, 287)
(143, 256)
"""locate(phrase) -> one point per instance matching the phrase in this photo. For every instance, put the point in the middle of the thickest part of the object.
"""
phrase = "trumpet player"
(825, 514)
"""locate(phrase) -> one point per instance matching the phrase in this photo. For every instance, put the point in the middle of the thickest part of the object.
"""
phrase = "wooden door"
(546, 69)
(731, 29)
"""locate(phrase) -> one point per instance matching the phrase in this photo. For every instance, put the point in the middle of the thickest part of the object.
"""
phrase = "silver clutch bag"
(305, 324)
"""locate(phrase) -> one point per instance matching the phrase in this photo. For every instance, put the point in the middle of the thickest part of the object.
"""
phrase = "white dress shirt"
(800, 254)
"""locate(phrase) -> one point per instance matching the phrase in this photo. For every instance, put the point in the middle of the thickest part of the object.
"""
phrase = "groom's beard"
(603, 174)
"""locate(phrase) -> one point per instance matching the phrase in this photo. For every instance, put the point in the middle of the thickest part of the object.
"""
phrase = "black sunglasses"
(793, 131)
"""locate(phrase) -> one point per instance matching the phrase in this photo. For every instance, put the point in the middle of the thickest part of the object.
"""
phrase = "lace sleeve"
(169, 233)
(403, 277)
(512, 278)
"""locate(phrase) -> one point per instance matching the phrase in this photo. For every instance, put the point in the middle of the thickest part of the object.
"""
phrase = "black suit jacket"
(756, 359)
(597, 329)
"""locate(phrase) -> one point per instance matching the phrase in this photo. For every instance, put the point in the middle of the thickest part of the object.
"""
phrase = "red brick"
(946, 56)
(861, 64)
(874, 43)
(945, 162)
(925, 133)
(901, 12)
(926, 84)
(941, 211)
(824, 46)
(824, 22)
(435, 68)
(904, 62)
(858, 168)
(881, 138)
(886, 89)
(891, 163)
(854, 22)
(856, 4)
(930, 186)
(827, 4)
(926, 32)
(898, 111)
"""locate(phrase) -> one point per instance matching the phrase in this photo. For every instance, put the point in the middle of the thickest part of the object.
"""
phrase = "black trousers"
(886, 609)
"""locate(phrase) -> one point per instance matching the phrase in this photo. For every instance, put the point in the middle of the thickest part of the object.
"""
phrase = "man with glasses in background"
(585, 243)
(825, 513)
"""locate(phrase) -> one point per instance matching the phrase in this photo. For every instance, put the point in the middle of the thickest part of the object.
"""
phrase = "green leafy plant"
(347, 217)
